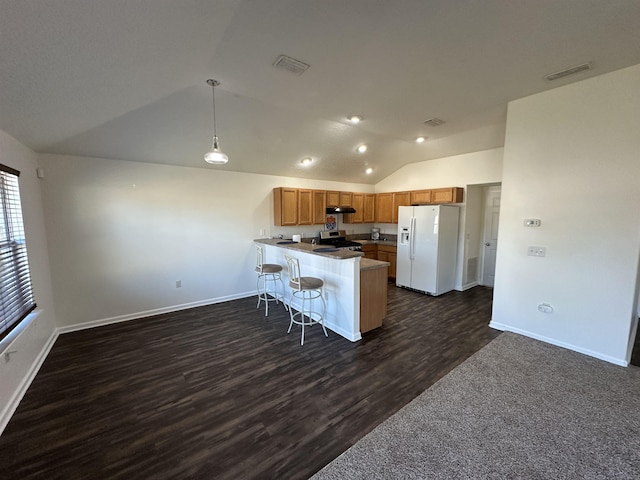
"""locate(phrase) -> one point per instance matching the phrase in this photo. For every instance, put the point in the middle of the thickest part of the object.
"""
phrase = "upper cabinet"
(384, 208)
(333, 199)
(358, 204)
(447, 195)
(319, 207)
(346, 198)
(300, 206)
(420, 197)
(285, 206)
(369, 209)
(400, 199)
(305, 207)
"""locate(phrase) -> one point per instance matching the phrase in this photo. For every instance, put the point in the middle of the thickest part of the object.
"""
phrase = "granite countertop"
(309, 248)
(390, 243)
(370, 264)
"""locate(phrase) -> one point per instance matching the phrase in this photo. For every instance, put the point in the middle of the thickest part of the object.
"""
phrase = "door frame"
(485, 228)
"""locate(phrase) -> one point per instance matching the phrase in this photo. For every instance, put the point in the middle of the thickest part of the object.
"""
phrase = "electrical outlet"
(545, 308)
(178, 283)
(536, 251)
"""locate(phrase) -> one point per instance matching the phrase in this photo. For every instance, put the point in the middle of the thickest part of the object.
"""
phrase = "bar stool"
(266, 272)
(306, 289)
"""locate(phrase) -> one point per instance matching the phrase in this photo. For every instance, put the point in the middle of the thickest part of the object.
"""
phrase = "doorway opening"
(481, 235)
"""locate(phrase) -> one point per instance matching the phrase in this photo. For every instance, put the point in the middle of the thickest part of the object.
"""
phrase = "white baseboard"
(150, 313)
(469, 285)
(558, 343)
(11, 407)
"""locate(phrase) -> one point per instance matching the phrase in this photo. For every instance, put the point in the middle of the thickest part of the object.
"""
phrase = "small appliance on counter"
(375, 234)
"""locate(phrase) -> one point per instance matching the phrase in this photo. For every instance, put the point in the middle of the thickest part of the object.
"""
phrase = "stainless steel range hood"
(333, 210)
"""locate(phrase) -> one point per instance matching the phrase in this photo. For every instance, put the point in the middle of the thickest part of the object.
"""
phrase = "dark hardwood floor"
(222, 392)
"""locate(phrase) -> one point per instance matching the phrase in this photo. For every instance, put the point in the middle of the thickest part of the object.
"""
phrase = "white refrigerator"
(427, 248)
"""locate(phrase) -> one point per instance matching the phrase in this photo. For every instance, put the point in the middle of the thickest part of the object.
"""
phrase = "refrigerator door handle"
(412, 236)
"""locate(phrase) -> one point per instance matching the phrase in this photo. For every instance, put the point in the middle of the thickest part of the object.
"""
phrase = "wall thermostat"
(532, 222)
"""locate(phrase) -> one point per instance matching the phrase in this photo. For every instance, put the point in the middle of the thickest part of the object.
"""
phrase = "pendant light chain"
(213, 93)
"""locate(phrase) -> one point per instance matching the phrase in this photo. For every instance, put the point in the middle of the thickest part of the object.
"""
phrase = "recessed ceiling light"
(420, 139)
(362, 148)
(368, 171)
(306, 161)
(355, 119)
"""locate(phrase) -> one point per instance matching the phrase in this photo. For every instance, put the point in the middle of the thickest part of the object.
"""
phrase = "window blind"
(16, 296)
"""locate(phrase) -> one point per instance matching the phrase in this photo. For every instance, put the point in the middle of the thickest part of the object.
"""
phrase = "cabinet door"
(369, 210)
(333, 199)
(389, 254)
(305, 207)
(423, 197)
(285, 206)
(346, 199)
(358, 204)
(370, 251)
(400, 199)
(447, 195)
(384, 207)
(392, 267)
(319, 207)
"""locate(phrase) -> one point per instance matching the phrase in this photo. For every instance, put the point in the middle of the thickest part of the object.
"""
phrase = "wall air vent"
(290, 65)
(434, 122)
(569, 71)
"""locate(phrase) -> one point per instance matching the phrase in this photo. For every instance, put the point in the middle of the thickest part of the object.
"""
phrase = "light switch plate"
(536, 251)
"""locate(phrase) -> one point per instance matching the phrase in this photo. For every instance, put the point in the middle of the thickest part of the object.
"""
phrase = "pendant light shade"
(215, 156)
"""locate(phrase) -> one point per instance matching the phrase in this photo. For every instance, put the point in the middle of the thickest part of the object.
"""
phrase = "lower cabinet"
(370, 251)
(373, 298)
(388, 253)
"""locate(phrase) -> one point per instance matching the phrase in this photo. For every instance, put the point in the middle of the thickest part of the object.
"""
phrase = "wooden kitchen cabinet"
(346, 199)
(373, 298)
(421, 197)
(388, 253)
(305, 207)
(384, 207)
(370, 250)
(369, 208)
(333, 199)
(285, 206)
(358, 204)
(447, 195)
(400, 199)
(319, 207)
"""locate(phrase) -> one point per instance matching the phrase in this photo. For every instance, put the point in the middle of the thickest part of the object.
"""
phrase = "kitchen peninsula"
(355, 288)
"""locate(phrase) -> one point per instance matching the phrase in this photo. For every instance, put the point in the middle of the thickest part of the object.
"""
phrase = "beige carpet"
(518, 408)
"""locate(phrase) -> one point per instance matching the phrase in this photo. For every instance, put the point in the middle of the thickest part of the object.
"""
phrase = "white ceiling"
(126, 79)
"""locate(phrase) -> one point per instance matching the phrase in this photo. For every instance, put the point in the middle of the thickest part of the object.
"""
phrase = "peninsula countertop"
(309, 248)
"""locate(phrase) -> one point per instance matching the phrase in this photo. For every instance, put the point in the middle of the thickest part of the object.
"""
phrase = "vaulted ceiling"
(126, 79)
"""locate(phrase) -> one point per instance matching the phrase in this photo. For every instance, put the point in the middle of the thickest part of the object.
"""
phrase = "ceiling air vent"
(434, 122)
(290, 65)
(569, 71)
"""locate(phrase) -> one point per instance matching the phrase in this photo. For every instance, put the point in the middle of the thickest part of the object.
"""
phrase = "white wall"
(33, 341)
(476, 168)
(122, 233)
(571, 159)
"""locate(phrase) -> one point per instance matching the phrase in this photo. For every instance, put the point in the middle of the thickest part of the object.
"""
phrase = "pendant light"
(215, 156)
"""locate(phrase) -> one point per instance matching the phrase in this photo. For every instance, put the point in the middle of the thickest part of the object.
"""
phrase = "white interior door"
(490, 236)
